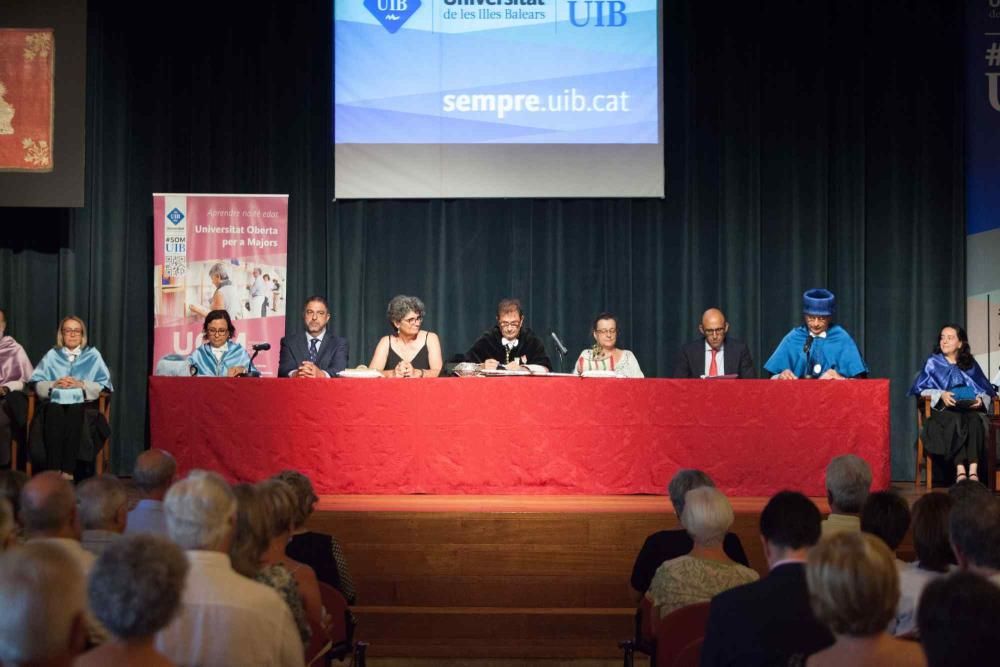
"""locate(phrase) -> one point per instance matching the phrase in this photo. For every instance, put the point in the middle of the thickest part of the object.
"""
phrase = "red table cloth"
(514, 435)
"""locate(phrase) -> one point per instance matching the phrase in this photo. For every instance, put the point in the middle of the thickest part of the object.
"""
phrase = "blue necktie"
(313, 351)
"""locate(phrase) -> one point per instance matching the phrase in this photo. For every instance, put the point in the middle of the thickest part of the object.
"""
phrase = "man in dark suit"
(315, 353)
(768, 621)
(714, 354)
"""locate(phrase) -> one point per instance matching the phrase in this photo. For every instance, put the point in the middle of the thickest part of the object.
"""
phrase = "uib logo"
(392, 14)
(604, 13)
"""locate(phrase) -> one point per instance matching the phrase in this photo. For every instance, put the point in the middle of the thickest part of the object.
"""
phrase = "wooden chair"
(102, 460)
(341, 633)
(677, 630)
(924, 459)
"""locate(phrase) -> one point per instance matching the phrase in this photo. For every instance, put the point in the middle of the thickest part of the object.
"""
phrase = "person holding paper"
(605, 355)
(959, 394)
(407, 353)
(68, 376)
(715, 353)
(509, 344)
(219, 356)
(818, 348)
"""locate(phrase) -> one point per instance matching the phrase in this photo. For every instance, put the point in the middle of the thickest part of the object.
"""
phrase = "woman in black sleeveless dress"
(409, 352)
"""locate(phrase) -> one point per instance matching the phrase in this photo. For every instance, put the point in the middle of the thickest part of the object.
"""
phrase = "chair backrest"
(690, 655)
(677, 630)
(336, 607)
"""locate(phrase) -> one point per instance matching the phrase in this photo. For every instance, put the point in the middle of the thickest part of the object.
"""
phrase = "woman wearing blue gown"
(219, 356)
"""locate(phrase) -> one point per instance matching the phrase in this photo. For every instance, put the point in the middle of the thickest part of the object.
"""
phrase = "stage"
(505, 577)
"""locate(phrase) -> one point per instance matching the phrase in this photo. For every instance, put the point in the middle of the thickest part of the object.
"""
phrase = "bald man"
(715, 353)
(154, 472)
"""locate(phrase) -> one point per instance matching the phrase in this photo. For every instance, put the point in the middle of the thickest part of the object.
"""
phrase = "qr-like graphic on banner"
(174, 266)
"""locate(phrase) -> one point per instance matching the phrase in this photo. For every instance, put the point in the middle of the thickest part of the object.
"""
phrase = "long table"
(515, 435)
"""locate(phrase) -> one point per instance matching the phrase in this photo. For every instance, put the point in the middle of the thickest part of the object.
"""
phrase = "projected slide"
(497, 98)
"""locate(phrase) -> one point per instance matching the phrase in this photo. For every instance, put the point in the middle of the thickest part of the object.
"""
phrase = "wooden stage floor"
(505, 577)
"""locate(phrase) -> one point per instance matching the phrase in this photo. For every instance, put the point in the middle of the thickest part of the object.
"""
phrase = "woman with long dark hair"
(960, 395)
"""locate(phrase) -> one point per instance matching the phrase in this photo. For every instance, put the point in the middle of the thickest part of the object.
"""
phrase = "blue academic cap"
(819, 301)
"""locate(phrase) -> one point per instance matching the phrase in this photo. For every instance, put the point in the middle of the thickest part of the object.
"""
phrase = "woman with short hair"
(219, 355)
(706, 571)
(409, 352)
(605, 355)
(225, 296)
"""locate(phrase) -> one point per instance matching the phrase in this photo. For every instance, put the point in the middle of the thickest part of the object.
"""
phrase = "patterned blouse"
(686, 580)
(628, 366)
(280, 579)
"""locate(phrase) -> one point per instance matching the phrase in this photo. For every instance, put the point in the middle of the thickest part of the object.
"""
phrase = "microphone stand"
(251, 371)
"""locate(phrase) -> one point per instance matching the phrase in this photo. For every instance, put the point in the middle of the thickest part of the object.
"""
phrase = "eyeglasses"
(414, 320)
(510, 325)
(218, 332)
(607, 332)
(715, 332)
(68, 332)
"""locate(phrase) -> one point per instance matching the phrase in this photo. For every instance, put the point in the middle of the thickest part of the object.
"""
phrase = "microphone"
(261, 347)
(559, 344)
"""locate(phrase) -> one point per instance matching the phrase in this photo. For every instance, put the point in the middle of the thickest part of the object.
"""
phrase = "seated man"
(974, 528)
(225, 618)
(715, 353)
(768, 621)
(848, 481)
(667, 544)
(959, 620)
(103, 504)
(819, 348)
(15, 369)
(509, 344)
(315, 352)
(153, 474)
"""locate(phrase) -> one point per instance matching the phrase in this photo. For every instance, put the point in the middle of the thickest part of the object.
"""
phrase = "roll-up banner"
(982, 178)
(225, 252)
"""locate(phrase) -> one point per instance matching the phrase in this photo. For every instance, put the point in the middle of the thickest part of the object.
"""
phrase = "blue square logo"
(392, 14)
(175, 216)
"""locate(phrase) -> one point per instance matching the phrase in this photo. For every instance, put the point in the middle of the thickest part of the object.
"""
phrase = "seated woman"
(853, 590)
(605, 355)
(67, 377)
(407, 353)
(219, 356)
(706, 571)
(959, 393)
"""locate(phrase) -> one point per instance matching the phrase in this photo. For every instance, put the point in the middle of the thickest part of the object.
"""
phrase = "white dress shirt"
(226, 619)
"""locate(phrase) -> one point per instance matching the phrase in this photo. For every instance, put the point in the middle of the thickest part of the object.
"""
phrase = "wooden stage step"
(505, 577)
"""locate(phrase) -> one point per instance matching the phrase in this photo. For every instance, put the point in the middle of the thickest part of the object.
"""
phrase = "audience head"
(253, 530)
(8, 529)
(853, 584)
(959, 620)
(887, 516)
(968, 490)
(685, 480)
(42, 603)
(304, 492)
(930, 532)
(154, 472)
(281, 504)
(11, 484)
(201, 512)
(974, 527)
(48, 507)
(789, 522)
(848, 480)
(103, 503)
(72, 333)
(136, 585)
(707, 515)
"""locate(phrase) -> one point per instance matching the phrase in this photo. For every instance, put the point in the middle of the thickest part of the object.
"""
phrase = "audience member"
(974, 528)
(8, 529)
(934, 558)
(153, 474)
(254, 530)
(738, 633)
(968, 489)
(42, 601)
(848, 481)
(11, 483)
(854, 590)
(320, 551)
(103, 506)
(959, 621)
(666, 544)
(225, 618)
(135, 590)
(706, 571)
(886, 516)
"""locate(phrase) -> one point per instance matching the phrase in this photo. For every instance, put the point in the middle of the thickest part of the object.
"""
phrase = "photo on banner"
(219, 252)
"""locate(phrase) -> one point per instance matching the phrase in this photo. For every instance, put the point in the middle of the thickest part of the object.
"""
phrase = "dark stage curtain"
(808, 143)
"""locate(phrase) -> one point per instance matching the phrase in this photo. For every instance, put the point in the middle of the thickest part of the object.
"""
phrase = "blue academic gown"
(940, 375)
(204, 361)
(89, 367)
(837, 351)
